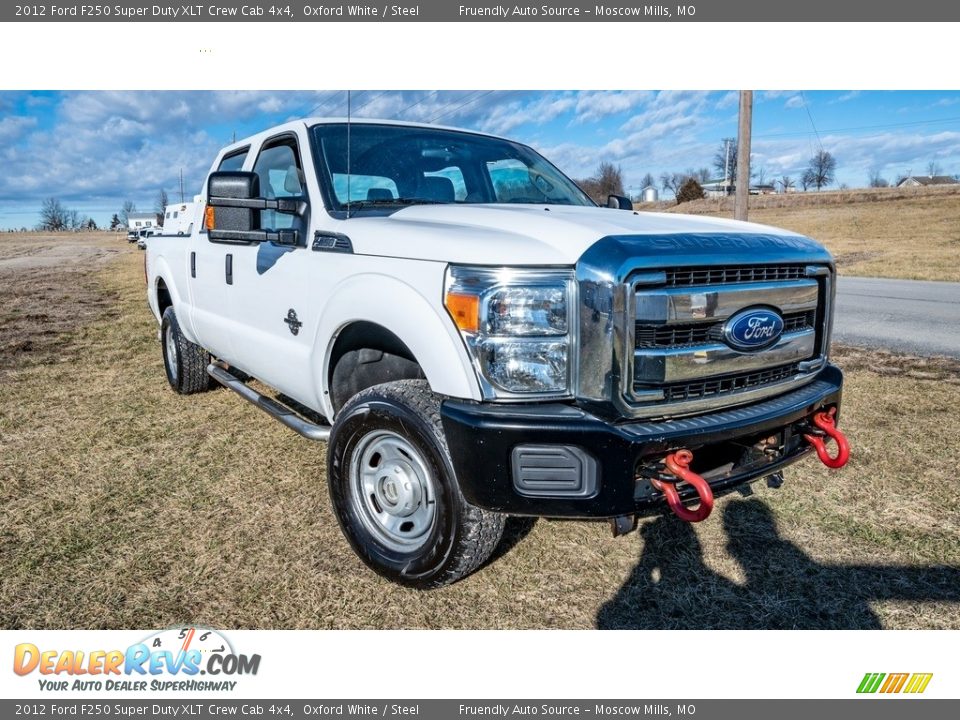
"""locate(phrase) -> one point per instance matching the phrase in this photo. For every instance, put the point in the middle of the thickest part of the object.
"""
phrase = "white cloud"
(14, 126)
(728, 100)
(595, 105)
(794, 102)
(946, 102)
(848, 96)
(503, 118)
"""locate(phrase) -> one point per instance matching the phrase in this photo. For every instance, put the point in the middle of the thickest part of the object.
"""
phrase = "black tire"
(184, 362)
(460, 538)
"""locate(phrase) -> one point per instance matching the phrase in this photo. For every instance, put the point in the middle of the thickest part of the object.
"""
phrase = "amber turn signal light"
(465, 310)
(209, 217)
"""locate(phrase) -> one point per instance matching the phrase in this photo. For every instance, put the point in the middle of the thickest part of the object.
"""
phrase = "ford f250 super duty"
(474, 337)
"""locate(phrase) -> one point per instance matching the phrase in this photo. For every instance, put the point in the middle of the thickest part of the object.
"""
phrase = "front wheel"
(394, 491)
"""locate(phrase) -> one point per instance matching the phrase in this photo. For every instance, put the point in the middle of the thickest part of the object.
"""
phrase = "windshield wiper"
(384, 202)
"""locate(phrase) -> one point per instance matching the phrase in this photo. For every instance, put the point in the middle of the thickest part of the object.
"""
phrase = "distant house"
(927, 180)
(138, 220)
(722, 188)
(718, 188)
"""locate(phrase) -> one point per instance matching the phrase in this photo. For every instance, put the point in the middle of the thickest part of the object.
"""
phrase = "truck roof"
(311, 121)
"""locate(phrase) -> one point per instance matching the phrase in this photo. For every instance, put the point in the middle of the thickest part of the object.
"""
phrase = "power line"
(325, 102)
(806, 107)
(462, 105)
(379, 94)
(450, 103)
(885, 126)
(422, 100)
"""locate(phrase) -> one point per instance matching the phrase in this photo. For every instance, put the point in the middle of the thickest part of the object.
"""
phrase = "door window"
(281, 175)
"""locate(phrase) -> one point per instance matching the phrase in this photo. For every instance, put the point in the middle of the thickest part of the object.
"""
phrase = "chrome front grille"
(690, 276)
(695, 334)
(678, 361)
(679, 392)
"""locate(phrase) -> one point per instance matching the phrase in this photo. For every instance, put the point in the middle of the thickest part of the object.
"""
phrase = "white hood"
(519, 234)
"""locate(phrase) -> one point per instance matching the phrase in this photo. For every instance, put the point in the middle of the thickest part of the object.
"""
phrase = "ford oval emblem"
(753, 329)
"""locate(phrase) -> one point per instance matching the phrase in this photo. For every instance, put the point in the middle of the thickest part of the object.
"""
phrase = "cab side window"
(281, 175)
(234, 161)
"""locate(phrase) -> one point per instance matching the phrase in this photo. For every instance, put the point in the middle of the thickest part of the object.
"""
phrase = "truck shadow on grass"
(671, 587)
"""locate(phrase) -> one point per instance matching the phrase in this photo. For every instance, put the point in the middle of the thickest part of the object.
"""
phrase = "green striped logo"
(887, 683)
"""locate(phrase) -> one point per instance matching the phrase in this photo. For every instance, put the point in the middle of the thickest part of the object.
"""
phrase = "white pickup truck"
(475, 338)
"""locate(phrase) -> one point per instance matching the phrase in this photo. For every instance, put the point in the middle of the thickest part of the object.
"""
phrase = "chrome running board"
(220, 372)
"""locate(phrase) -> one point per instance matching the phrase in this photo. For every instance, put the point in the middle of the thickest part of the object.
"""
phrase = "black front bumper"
(483, 436)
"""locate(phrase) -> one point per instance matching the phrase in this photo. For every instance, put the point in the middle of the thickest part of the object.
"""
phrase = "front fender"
(423, 326)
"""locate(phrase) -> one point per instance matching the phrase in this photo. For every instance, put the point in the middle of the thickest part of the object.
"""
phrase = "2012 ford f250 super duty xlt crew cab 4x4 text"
(475, 338)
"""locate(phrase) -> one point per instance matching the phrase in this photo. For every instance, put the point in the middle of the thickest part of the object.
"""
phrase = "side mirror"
(233, 210)
(619, 202)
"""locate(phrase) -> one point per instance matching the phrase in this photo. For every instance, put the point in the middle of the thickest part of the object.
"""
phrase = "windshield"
(394, 165)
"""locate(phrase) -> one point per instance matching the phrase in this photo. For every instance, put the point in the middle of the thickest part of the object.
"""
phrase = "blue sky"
(93, 150)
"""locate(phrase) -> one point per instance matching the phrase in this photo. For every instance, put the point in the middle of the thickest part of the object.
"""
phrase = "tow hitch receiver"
(678, 470)
(825, 426)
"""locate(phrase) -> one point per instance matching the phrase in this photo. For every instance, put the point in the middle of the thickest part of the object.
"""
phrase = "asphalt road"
(921, 318)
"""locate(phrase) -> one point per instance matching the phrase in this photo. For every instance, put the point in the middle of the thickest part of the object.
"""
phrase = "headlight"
(516, 325)
(526, 311)
(523, 366)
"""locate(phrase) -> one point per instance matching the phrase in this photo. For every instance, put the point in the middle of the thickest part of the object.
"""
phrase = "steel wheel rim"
(392, 491)
(171, 345)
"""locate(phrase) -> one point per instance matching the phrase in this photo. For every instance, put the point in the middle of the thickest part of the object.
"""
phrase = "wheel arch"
(405, 326)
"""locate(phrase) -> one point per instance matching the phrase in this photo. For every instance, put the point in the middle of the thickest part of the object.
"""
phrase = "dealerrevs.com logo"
(179, 659)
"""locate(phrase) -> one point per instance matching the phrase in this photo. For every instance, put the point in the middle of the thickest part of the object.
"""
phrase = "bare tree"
(160, 204)
(672, 181)
(607, 181)
(128, 207)
(761, 176)
(73, 220)
(877, 180)
(806, 179)
(822, 169)
(933, 168)
(648, 180)
(703, 175)
(786, 183)
(725, 160)
(53, 215)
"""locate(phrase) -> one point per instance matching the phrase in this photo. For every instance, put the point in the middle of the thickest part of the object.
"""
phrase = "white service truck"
(475, 338)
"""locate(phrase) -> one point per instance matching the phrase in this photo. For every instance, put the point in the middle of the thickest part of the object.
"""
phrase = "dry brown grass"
(124, 505)
(911, 233)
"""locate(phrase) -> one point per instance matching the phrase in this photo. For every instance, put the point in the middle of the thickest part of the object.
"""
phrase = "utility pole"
(743, 155)
(726, 166)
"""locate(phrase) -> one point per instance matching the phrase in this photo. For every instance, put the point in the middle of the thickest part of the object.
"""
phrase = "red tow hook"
(826, 423)
(678, 464)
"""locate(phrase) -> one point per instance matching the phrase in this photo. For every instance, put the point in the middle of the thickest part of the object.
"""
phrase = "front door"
(270, 313)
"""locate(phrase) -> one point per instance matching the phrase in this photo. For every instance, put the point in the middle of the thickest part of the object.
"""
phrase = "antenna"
(181, 186)
(348, 154)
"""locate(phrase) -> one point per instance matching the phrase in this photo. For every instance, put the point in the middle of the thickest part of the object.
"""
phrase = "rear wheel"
(184, 361)
(395, 493)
